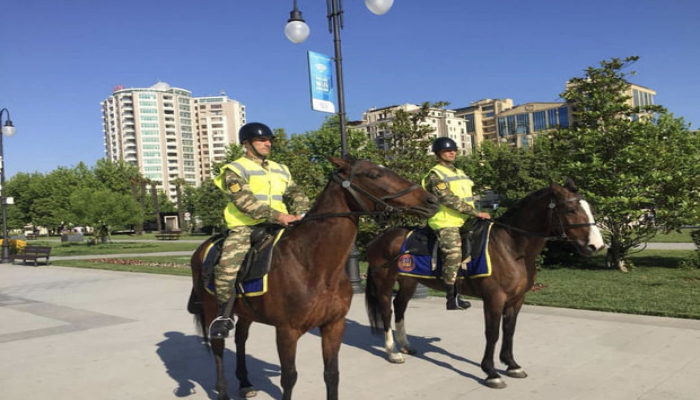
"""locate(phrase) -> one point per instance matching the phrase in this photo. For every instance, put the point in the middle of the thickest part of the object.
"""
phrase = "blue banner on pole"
(321, 82)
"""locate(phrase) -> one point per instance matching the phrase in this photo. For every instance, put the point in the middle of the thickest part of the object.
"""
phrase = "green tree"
(104, 210)
(638, 166)
(510, 172)
(209, 203)
(116, 176)
(50, 205)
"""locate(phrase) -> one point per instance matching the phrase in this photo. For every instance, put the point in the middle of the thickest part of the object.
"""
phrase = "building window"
(539, 121)
(523, 124)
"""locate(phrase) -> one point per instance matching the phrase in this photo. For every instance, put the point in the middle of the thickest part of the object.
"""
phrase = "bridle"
(550, 213)
(357, 192)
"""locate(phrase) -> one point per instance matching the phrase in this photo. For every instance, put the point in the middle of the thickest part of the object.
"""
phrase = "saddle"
(256, 263)
(423, 241)
(258, 259)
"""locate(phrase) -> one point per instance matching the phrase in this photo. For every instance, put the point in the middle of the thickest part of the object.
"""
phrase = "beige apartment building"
(167, 133)
(480, 118)
(376, 122)
(218, 121)
(521, 124)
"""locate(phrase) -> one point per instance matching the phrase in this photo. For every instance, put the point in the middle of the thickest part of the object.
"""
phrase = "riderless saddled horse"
(307, 283)
(515, 241)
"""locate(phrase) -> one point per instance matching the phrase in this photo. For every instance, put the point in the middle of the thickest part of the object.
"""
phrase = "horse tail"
(194, 303)
(376, 323)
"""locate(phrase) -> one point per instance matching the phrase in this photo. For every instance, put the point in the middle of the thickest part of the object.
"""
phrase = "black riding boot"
(219, 327)
(453, 300)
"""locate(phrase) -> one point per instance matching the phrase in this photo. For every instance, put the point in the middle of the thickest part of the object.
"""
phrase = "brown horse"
(516, 239)
(307, 283)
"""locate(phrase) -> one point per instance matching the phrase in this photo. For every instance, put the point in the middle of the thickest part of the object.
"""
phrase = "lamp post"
(297, 31)
(8, 130)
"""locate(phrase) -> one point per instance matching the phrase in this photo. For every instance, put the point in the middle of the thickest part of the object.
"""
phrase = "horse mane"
(521, 204)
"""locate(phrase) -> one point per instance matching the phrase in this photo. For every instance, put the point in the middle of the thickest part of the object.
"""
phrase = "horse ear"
(571, 185)
(553, 184)
(342, 163)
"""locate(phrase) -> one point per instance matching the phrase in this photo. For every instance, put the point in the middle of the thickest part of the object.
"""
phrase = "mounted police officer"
(259, 190)
(454, 191)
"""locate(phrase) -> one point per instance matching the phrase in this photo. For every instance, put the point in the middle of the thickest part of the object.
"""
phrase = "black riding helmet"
(442, 144)
(254, 130)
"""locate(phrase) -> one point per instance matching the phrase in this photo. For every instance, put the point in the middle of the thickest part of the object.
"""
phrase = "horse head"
(573, 218)
(372, 187)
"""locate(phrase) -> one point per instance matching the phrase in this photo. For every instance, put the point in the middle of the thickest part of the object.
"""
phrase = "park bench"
(168, 235)
(33, 253)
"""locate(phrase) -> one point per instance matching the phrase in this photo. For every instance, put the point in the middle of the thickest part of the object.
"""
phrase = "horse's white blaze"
(595, 238)
(401, 336)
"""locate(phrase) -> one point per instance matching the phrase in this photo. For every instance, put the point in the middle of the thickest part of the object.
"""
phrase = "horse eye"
(570, 211)
(374, 174)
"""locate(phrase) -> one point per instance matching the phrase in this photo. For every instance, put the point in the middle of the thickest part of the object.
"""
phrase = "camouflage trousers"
(450, 244)
(233, 252)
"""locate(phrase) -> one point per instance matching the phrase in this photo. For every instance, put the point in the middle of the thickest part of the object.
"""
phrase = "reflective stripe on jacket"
(268, 186)
(461, 186)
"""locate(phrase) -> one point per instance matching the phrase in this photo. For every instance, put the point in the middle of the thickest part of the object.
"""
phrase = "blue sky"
(59, 59)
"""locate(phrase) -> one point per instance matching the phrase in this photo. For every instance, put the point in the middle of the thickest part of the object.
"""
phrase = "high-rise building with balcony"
(161, 129)
(218, 120)
(376, 122)
(480, 118)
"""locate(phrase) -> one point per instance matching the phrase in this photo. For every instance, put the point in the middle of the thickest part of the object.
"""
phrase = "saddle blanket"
(420, 265)
(249, 288)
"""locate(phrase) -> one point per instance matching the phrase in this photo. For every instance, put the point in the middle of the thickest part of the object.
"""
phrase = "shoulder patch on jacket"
(441, 186)
(234, 188)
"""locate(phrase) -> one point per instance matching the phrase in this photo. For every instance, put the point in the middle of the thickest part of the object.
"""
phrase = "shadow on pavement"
(360, 336)
(189, 362)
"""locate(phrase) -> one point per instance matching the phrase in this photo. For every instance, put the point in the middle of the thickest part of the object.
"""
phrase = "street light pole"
(297, 31)
(7, 130)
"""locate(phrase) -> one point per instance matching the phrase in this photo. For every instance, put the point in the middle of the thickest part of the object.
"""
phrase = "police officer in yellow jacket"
(259, 190)
(454, 190)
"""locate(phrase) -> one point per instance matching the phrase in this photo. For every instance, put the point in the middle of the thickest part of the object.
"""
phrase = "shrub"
(16, 245)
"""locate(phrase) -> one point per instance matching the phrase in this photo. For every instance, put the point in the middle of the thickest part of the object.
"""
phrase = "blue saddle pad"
(420, 265)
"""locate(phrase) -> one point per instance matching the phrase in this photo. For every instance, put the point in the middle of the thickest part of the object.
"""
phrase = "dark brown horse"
(307, 283)
(516, 239)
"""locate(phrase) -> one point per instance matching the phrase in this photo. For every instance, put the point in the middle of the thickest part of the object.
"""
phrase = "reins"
(551, 206)
(357, 191)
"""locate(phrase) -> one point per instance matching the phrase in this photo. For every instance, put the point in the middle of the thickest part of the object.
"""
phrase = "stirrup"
(223, 326)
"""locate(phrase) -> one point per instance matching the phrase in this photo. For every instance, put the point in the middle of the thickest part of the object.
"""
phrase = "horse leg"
(209, 311)
(407, 287)
(287, 349)
(509, 319)
(331, 338)
(217, 348)
(493, 311)
(387, 287)
(245, 388)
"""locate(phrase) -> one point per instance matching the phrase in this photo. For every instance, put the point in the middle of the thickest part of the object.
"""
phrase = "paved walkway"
(68, 334)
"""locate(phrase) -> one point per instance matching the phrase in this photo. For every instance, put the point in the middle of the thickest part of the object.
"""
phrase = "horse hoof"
(395, 358)
(495, 383)
(409, 351)
(247, 392)
(516, 373)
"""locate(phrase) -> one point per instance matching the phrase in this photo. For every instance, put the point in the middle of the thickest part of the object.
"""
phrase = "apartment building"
(519, 125)
(218, 120)
(167, 133)
(480, 117)
(376, 122)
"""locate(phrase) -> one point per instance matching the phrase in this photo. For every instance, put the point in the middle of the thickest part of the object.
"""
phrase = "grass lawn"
(72, 249)
(674, 237)
(656, 286)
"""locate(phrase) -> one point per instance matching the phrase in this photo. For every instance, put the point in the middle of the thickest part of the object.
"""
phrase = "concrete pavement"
(72, 334)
